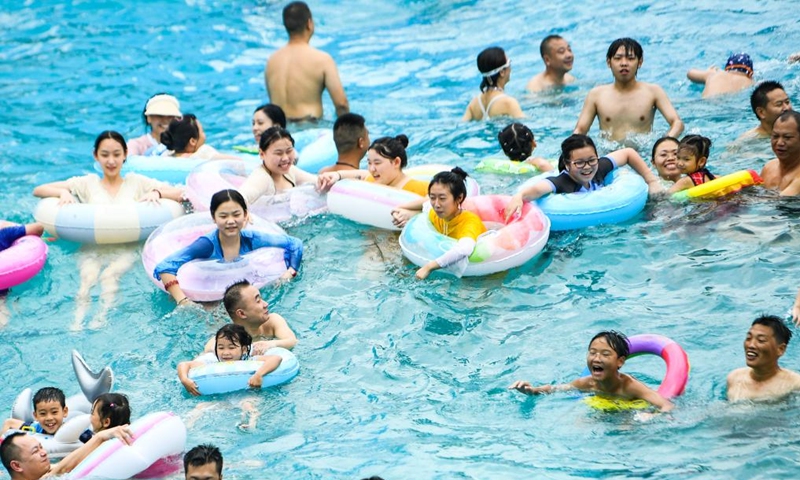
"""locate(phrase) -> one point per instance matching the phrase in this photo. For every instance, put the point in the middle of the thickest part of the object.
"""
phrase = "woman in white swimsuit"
(493, 102)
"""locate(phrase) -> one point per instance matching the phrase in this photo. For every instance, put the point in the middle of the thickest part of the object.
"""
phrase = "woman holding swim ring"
(386, 159)
(110, 151)
(495, 67)
(277, 172)
(228, 243)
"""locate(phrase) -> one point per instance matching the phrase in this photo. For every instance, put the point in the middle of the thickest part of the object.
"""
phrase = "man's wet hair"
(295, 17)
(616, 340)
(347, 129)
(9, 451)
(232, 299)
(629, 44)
(203, 455)
(544, 47)
(779, 329)
(758, 99)
(49, 394)
(785, 116)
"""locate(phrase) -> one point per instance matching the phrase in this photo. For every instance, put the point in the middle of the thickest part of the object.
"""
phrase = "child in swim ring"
(228, 242)
(518, 144)
(607, 354)
(109, 410)
(49, 411)
(692, 157)
(582, 171)
(446, 192)
(232, 343)
(495, 68)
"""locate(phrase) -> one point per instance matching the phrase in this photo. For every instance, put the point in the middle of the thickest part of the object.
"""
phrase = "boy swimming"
(49, 411)
(608, 351)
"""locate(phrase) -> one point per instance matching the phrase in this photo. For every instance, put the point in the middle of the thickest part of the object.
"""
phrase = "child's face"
(50, 415)
(227, 351)
(98, 423)
(230, 218)
(602, 360)
(582, 165)
(688, 161)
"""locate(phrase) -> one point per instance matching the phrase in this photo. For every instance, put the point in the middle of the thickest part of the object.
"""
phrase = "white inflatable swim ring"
(161, 167)
(224, 377)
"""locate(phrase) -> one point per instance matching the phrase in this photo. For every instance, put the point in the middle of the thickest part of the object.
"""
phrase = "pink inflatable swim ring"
(22, 261)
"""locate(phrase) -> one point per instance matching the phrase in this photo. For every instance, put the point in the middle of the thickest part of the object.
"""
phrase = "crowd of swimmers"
(295, 77)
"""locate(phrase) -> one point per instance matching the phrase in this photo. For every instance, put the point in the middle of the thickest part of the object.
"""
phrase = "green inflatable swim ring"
(506, 166)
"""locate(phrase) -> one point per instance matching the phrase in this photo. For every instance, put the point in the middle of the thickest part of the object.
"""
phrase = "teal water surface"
(401, 378)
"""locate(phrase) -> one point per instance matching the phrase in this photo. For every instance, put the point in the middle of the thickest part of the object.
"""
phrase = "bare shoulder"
(536, 83)
(738, 374)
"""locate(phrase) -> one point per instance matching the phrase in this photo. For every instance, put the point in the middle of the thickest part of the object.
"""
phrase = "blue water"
(400, 378)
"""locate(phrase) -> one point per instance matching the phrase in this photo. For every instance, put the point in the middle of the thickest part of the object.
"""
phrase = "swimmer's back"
(296, 76)
(723, 82)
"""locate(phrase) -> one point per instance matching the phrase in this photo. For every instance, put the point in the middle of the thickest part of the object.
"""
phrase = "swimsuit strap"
(488, 107)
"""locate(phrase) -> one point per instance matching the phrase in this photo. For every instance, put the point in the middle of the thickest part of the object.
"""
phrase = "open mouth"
(597, 369)
(750, 355)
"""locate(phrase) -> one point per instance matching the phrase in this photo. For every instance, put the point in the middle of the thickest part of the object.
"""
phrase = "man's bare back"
(719, 82)
(297, 74)
(742, 386)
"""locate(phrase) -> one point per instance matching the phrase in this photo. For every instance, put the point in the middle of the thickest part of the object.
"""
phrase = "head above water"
(200, 456)
(228, 195)
(573, 142)
(272, 135)
(163, 105)
(391, 148)
(296, 16)
(236, 334)
(180, 132)
(630, 46)
(740, 62)
(455, 181)
(779, 329)
(114, 408)
(659, 142)
(517, 141)
(111, 135)
(347, 129)
(274, 113)
(786, 116)
(544, 47)
(49, 394)
(759, 99)
(232, 299)
(491, 63)
(696, 145)
(616, 340)
(21, 457)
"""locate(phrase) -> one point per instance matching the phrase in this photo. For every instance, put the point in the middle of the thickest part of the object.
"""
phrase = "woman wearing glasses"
(495, 68)
(582, 171)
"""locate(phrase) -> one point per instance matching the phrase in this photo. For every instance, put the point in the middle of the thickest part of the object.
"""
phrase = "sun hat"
(163, 104)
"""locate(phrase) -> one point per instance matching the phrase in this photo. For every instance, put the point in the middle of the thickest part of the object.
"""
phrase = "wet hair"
(274, 113)
(295, 17)
(272, 135)
(488, 60)
(235, 334)
(203, 455)
(785, 116)
(573, 142)
(228, 195)
(9, 451)
(180, 130)
(232, 298)
(699, 145)
(616, 340)
(758, 99)
(516, 141)
(779, 329)
(544, 47)
(347, 129)
(112, 135)
(392, 147)
(629, 44)
(49, 394)
(114, 407)
(455, 180)
(659, 142)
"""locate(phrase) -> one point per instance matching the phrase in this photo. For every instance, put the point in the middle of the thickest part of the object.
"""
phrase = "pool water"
(401, 378)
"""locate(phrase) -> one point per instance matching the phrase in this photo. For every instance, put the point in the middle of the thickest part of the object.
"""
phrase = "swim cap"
(163, 104)
(740, 62)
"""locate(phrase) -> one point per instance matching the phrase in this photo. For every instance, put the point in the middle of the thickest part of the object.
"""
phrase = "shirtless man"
(627, 105)
(783, 173)
(557, 56)
(25, 459)
(351, 137)
(738, 75)
(768, 101)
(245, 306)
(296, 74)
(763, 378)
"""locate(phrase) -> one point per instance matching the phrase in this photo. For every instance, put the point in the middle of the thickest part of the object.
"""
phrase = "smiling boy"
(627, 105)
(608, 351)
(49, 411)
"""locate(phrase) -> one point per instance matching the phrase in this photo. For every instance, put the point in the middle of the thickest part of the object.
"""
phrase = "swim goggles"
(497, 70)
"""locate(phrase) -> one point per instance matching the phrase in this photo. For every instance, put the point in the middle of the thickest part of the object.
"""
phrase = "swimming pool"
(401, 378)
